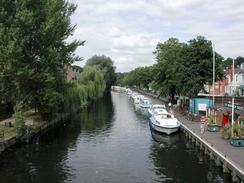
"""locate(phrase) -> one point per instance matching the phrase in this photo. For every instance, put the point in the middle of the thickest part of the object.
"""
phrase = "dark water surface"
(107, 142)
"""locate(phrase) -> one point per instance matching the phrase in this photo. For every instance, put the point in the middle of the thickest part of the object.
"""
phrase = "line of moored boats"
(159, 118)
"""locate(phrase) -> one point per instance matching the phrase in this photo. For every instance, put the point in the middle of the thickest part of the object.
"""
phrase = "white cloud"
(129, 30)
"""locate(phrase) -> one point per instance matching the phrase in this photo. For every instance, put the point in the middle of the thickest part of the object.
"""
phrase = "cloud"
(128, 31)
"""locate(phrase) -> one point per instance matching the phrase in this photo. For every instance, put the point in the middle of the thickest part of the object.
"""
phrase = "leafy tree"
(91, 84)
(198, 62)
(106, 65)
(34, 51)
(171, 67)
(119, 78)
(140, 77)
(183, 69)
(227, 63)
(239, 60)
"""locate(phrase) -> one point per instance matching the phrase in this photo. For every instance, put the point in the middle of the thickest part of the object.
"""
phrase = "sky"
(128, 30)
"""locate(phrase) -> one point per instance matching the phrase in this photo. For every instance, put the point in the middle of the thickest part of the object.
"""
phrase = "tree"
(227, 63)
(183, 69)
(171, 67)
(119, 78)
(198, 62)
(37, 51)
(106, 65)
(239, 60)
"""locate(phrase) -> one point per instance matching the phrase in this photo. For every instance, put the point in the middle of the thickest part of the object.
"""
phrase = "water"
(107, 142)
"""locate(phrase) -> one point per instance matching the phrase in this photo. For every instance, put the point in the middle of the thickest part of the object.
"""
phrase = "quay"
(230, 158)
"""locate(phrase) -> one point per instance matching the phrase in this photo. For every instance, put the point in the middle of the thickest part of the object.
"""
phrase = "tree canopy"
(34, 51)
(106, 65)
(181, 68)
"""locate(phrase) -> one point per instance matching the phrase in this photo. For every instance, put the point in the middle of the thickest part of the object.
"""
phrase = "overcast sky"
(129, 30)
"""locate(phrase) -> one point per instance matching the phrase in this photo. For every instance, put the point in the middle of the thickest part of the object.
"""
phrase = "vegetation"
(106, 65)
(181, 69)
(140, 77)
(34, 52)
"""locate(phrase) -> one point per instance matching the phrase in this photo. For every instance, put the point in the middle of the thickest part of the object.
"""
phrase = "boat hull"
(161, 129)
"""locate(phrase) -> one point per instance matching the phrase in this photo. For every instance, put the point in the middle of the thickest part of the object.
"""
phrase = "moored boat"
(144, 104)
(164, 123)
(156, 109)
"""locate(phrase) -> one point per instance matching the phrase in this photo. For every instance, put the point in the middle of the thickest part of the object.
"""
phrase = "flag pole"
(213, 74)
(213, 80)
(233, 99)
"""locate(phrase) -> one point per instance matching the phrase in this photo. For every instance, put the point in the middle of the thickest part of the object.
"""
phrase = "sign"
(202, 107)
(236, 106)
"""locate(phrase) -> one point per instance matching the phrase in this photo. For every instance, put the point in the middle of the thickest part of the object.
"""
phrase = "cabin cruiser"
(137, 99)
(144, 104)
(133, 96)
(128, 91)
(164, 123)
(156, 109)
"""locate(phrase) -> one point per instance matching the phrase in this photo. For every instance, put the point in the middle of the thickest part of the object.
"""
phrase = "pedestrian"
(169, 104)
(202, 121)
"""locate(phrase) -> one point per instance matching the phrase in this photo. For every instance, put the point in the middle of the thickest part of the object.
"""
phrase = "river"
(107, 142)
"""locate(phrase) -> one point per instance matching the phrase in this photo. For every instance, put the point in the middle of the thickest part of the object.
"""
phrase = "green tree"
(198, 61)
(37, 51)
(106, 65)
(227, 63)
(91, 84)
(183, 69)
(140, 77)
(171, 67)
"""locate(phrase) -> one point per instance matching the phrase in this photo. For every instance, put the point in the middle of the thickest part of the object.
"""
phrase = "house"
(239, 81)
(71, 73)
(219, 87)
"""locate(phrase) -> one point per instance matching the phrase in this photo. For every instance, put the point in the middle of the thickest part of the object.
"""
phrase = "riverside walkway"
(229, 157)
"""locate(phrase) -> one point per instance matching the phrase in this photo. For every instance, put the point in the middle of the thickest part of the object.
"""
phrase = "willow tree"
(34, 51)
(106, 64)
(90, 84)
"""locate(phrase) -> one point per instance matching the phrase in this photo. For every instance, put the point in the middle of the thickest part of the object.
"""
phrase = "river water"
(108, 142)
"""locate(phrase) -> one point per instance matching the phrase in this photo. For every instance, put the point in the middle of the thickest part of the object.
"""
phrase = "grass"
(9, 132)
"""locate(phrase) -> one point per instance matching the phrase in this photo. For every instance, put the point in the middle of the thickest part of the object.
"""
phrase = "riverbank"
(211, 143)
(39, 127)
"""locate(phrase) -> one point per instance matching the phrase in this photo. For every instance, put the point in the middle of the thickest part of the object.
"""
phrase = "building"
(239, 81)
(71, 73)
(219, 87)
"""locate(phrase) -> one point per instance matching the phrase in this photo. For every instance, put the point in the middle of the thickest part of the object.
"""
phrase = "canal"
(108, 142)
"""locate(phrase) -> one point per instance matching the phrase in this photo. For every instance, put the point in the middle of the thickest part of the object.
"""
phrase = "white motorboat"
(137, 99)
(128, 91)
(164, 123)
(145, 102)
(133, 95)
(156, 109)
(144, 105)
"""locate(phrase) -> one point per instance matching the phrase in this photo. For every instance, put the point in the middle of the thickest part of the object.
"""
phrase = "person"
(202, 121)
(225, 118)
(169, 104)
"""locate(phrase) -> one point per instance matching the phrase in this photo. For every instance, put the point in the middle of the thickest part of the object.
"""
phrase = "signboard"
(202, 107)
(236, 106)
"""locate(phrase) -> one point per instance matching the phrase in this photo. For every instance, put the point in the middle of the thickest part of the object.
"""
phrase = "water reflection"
(98, 116)
(165, 140)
